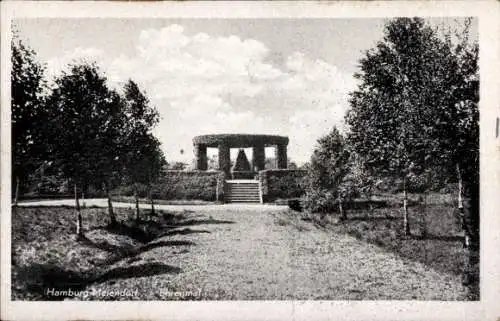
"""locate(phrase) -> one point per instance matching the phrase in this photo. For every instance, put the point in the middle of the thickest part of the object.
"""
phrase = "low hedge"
(281, 183)
(182, 185)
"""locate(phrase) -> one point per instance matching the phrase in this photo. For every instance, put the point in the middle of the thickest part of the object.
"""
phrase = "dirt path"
(255, 252)
(103, 202)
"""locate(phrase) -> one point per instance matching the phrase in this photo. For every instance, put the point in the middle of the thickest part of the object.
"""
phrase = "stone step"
(243, 194)
(242, 191)
(244, 201)
(243, 197)
(243, 187)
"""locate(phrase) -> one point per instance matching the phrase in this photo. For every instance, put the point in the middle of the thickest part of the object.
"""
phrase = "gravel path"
(249, 252)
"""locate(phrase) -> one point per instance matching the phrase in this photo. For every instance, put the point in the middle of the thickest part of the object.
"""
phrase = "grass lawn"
(436, 238)
(47, 255)
(441, 249)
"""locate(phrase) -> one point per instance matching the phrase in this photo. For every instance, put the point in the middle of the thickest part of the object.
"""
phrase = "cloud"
(57, 65)
(205, 84)
(174, 66)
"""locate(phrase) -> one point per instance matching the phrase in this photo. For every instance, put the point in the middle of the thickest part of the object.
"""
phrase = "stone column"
(281, 158)
(259, 158)
(200, 157)
(224, 158)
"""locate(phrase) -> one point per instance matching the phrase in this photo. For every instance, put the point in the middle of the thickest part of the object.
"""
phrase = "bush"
(181, 185)
(45, 185)
(199, 185)
(282, 183)
(326, 173)
(321, 201)
(295, 205)
(128, 190)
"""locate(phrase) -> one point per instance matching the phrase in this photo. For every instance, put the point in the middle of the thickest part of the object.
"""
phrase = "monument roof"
(240, 140)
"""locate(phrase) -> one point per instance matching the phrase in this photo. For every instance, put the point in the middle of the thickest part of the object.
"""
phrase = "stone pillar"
(224, 159)
(281, 159)
(200, 157)
(259, 158)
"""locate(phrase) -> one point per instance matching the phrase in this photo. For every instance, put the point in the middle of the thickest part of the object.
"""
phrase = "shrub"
(198, 185)
(324, 201)
(326, 173)
(128, 190)
(295, 205)
(282, 183)
(184, 185)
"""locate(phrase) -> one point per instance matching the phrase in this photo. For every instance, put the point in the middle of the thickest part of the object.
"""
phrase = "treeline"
(95, 136)
(414, 116)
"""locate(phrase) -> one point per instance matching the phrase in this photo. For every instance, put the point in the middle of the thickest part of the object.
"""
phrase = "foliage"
(179, 185)
(87, 147)
(415, 112)
(89, 111)
(326, 173)
(187, 185)
(416, 106)
(28, 117)
(240, 140)
(143, 158)
(282, 183)
(392, 111)
(270, 163)
(212, 163)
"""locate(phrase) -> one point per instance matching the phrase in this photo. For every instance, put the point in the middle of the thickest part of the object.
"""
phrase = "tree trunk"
(136, 197)
(472, 225)
(424, 209)
(79, 224)
(112, 216)
(406, 224)
(152, 202)
(460, 206)
(16, 195)
(460, 190)
(424, 216)
(343, 215)
(83, 199)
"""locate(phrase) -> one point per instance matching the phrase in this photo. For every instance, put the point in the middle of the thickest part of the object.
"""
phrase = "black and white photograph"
(245, 158)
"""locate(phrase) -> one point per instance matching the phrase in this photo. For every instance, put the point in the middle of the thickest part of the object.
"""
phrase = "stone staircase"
(242, 191)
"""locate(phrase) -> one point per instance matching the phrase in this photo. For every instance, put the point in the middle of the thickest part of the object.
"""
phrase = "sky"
(287, 77)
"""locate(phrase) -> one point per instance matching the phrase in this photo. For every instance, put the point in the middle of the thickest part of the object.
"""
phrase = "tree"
(465, 142)
(212, 162)
(397, 113)
(326, 173)
(83, 113)
(28, 117)
(109, 150)
(292, 164)
(180, 166)
(415, 110)
(147, 167)
(143, 158)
